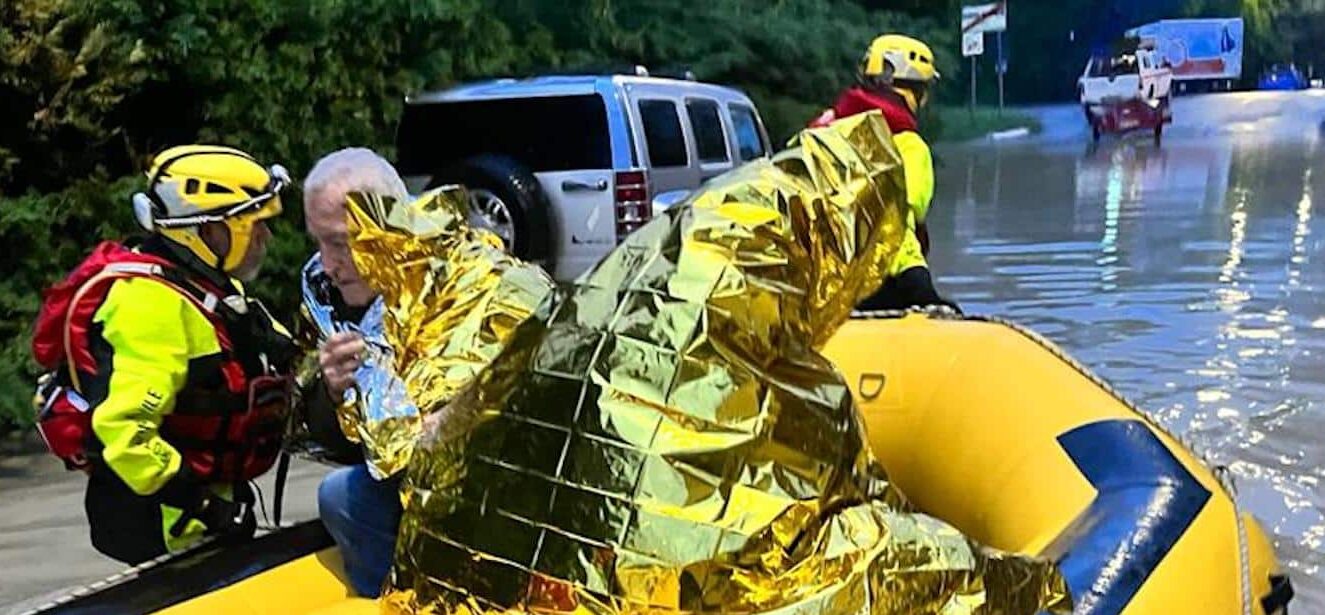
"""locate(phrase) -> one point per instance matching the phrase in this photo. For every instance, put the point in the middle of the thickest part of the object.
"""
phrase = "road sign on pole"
(992, 17)
(973, 44)
(976, 20)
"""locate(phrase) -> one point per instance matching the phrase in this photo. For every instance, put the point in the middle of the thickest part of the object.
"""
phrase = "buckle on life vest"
(64, 421)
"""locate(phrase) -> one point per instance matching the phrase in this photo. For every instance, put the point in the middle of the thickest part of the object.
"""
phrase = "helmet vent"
(191, 186)
(218, 189)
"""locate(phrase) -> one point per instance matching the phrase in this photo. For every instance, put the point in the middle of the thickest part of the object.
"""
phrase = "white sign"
(973, 44)
(985, 18)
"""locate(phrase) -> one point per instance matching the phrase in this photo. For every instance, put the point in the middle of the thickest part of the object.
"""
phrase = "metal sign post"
(1002, 69)
(973, 87)
(976, 20)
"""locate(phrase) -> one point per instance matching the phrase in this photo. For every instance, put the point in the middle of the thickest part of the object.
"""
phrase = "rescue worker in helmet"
(895, 77)
(184, 374)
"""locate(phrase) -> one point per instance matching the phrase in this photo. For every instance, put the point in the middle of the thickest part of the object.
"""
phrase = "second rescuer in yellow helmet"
(895, 78)
(213, 201)
(902, 64)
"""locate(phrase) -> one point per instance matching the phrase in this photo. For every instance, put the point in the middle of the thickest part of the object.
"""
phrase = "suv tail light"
(632, 205)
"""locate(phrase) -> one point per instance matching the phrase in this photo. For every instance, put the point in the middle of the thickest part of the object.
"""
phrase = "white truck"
(1203, 54)
(1125, 92)
(1134, 75)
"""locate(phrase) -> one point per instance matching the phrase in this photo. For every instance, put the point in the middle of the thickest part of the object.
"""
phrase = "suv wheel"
(506, 198)
(489, 211)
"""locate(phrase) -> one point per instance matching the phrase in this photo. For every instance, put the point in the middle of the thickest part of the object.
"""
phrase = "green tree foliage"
(91, 89)
(64, 79)
(791, 56)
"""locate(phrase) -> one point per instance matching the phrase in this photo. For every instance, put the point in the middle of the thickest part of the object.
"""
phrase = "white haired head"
(353, 169)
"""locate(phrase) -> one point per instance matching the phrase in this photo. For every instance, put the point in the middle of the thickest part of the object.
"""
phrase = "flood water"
(1189, 276)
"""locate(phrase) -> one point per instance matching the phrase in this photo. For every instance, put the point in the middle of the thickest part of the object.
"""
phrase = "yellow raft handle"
(871, 385)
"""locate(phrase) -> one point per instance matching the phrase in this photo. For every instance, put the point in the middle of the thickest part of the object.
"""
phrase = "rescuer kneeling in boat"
(895, 77)
(168, 385)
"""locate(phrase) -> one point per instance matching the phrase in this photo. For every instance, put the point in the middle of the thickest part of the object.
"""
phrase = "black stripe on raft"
(1146, 501)
(198, 572)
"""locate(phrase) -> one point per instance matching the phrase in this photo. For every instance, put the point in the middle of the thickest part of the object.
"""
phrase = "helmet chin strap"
(909, 97)
(222, 258)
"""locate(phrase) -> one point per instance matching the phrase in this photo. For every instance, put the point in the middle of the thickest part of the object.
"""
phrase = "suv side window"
(662, 133)
(706, 125)
(749, 141)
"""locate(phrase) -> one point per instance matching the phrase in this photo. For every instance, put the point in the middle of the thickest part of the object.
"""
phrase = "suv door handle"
(571, 185)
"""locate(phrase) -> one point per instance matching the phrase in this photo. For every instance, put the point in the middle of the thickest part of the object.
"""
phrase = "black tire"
(516, 186)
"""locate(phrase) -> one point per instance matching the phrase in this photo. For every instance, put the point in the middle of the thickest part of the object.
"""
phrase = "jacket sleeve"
(919, 166)
(320, 416)
(152, 333)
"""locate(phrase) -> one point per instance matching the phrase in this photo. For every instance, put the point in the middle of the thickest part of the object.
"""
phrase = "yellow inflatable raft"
(982, 424)
(996, 431)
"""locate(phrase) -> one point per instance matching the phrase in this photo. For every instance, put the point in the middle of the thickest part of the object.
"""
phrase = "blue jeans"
(362, 515)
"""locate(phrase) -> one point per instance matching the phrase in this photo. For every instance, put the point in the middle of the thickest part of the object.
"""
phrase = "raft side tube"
(996, 431)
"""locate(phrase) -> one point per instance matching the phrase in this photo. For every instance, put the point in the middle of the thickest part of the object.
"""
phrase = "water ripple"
(1186, 276)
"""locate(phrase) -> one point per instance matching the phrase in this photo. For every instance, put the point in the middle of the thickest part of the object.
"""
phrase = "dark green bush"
(91, 89)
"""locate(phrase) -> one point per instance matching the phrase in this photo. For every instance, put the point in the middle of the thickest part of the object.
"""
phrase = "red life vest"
(896, 114)
(225, 435)
(859, 100)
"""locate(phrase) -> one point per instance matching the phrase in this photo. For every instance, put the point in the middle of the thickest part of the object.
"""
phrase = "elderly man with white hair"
(359, 506)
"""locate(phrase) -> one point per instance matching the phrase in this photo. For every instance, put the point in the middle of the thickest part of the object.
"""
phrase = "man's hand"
(339, 358)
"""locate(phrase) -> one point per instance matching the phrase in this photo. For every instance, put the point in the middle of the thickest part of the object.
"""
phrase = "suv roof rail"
(682, 73)
(641, 71)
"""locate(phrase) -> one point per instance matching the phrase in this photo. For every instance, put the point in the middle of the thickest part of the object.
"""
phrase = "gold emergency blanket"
(451, 298)
(664, 436)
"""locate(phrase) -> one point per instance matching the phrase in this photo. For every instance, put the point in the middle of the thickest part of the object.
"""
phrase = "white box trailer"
(1203, 54)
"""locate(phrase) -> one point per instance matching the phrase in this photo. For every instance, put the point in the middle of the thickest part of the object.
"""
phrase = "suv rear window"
(662, 133)
(749, 139)
(706, 124)
(1112, 66)
(1099, 67)
(561, 133)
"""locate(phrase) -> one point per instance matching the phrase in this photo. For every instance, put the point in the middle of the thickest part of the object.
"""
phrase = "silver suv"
(562, 168)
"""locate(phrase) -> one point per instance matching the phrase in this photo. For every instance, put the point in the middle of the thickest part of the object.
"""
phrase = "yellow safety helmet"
(898, 57)
(192, 185)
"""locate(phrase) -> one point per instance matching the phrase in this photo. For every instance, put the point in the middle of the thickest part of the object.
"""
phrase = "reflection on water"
(1184, 276)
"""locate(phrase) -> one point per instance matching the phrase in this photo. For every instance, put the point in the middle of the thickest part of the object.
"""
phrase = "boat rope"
(127, 574)
(1245, 559)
